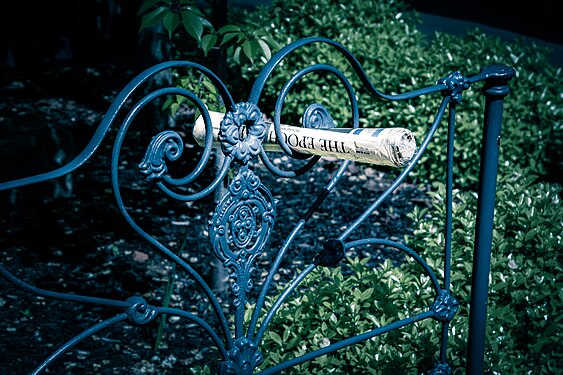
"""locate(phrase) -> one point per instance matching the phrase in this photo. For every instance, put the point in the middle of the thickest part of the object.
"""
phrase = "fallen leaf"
(140, 257)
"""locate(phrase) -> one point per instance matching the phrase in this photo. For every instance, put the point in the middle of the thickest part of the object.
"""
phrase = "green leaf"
(229, 29)
(210, 86)
(286, 334)
(271, 41)
(250, 49)
(366, 294)
(192, 8)
(193, 24)
(265, 49)
(277, 338)
(171, 22)
(153, 17)
(207, 24)
(147, 4)
(229, 36)
(236, 57)
(247, 49)
(207, 42)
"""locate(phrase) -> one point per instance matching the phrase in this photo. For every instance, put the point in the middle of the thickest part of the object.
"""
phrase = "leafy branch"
(239, 41)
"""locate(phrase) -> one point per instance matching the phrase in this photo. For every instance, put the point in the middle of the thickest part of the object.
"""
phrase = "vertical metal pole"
(495, 90)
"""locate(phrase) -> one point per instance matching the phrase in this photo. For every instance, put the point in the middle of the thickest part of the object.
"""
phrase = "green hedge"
(525, 327)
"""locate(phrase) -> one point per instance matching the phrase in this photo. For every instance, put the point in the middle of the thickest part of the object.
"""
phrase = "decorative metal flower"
(242, 132)
(445, 306)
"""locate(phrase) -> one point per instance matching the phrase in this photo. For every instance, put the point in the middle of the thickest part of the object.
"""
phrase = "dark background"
(537, 19)
(42, 32)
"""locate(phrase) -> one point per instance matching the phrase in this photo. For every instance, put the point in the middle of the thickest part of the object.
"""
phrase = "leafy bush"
(334, 305)
(524, 327)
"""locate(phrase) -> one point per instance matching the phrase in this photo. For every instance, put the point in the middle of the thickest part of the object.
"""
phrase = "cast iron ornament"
(242, 131)
(445, 306)
(240, 227)
(166, 145)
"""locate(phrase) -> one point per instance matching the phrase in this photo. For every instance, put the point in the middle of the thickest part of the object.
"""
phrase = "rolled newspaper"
(382, 146)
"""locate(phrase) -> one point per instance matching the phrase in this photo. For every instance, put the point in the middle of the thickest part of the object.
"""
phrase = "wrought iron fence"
(244, 218)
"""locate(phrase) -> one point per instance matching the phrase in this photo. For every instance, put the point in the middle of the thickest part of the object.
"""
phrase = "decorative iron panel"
(242, 221)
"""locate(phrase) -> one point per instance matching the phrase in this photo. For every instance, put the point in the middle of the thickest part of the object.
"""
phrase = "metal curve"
(401, 247)
(288, 174)
(208, 128)
(156, 244)
(202, 323)
(289, 240)
(58, 295)
(287, 87)
(280, 300)
(111, 115)
(76, 339)
(404, 173)
(260, 82)
(204, 192)
(347, 342)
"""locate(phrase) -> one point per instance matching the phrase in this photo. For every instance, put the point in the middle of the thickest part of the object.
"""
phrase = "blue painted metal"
(495, 89)
(244, 218)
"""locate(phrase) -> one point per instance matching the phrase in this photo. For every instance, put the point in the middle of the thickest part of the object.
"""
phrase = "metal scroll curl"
(167, 145)
(315, 115)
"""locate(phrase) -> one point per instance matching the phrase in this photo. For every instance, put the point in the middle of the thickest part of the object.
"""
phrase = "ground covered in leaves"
(68, 235)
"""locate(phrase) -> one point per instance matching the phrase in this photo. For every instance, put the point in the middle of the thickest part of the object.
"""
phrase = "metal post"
(495, 90)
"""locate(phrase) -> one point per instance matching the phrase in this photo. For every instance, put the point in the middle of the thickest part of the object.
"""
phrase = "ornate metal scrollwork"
(243, 358)
(316, 116)
(166, 145)
(240, 228)
(244, 218)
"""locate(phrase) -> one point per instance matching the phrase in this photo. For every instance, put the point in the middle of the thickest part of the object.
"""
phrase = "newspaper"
(382, 146)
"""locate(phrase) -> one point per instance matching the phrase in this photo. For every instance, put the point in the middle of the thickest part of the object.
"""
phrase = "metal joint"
(445, 306)
(456, 83)
(242, 359)
(441, 369)
(242, 132)
(331, 254)
(140, 312)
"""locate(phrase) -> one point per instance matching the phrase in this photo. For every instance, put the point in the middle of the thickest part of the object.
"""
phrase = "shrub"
(334, 305)
(524, 329)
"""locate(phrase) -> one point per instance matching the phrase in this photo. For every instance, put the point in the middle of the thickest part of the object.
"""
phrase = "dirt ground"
(68, 235)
